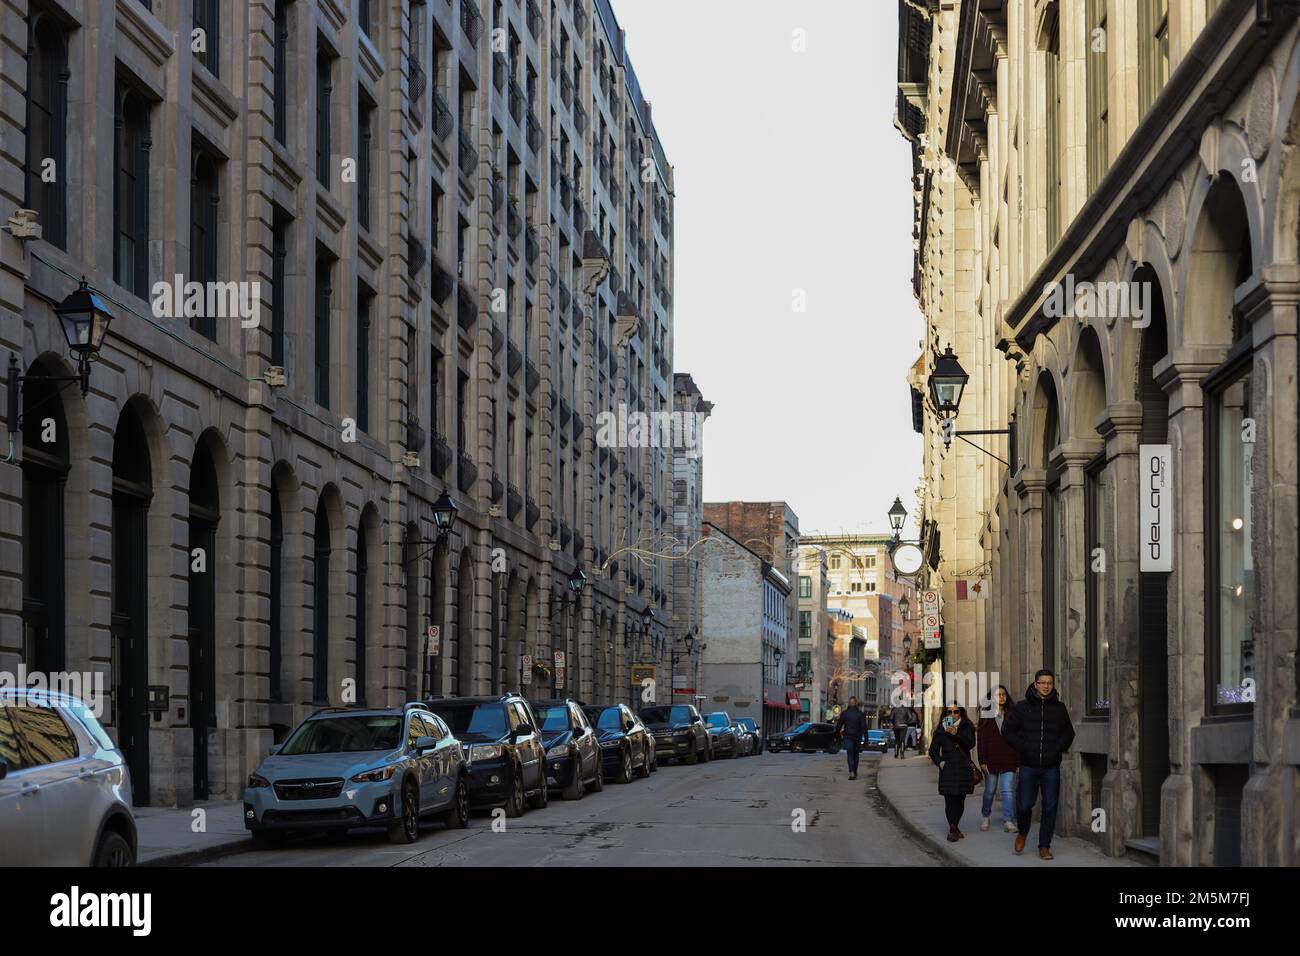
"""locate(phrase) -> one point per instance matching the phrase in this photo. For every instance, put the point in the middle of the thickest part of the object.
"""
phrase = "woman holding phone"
(954, 739)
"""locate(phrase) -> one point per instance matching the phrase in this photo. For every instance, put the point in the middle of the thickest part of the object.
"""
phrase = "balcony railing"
(415, 256)
(466, 307)
(498, 194)
(566, 190)
(440, 455)
(564, 297)
(514, 359)
(418, 83)
(532, 379)
(498, 489)
(531, 514)
(514, 220)
(442, 119)
(516, 101)
(514, 501)
(579, 20)
(534, 15)
(498, 338)
(500, 68)
(580, 118)
(468, 154)
(604, 170)
(532, 248)
(555, 64)
(579, 215)
(442, 281)
(566, 89)
(466, 473)
(616, 193)
(534, 134)
(471, 21)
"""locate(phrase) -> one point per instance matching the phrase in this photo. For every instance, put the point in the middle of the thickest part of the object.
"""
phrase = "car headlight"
(256, 783)
(373, 776)
(485, 752)
(558, 751)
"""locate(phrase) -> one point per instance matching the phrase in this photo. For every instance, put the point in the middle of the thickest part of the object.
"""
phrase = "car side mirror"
(629, 725)
(425, 744)
(275, 749)
(523, 730)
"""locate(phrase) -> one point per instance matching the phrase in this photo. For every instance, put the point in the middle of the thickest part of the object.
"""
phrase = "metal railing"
(471, 21)
(468, 154)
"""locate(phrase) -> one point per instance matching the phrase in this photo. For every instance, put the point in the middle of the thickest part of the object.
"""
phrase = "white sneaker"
(1009, 826)
(984, 823)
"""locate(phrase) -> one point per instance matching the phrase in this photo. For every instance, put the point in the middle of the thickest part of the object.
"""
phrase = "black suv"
(679, 732)
(503, 748)
(573, 757)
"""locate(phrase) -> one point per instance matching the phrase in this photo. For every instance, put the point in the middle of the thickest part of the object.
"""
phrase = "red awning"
(792, 700)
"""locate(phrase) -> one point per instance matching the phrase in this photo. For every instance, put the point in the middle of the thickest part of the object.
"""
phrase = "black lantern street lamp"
(947, 382)
(904, 606)
(444, 514)
(84, 317)
(577, 580)
(897, 515)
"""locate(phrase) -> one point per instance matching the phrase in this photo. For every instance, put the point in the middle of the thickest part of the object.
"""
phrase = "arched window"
(277, 577)
(363, 598)
(45, 470)
(204, 514)
(47, 107)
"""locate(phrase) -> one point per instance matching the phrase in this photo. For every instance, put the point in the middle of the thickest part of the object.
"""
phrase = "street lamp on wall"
(947, 384)
(84, 317)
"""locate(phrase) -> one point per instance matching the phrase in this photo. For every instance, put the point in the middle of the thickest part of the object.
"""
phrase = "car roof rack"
(332, 708)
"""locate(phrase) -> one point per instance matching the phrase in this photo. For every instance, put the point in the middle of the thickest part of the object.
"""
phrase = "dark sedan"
(751, 726)
(625, 744)
(805, 738)
(573, 763)
(503, 750)
(723, 734)
(678, 730)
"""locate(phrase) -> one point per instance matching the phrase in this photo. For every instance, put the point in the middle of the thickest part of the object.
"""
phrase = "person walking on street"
(999, 763)
(903, 718)
(1039, 730)
(853, 726)
(950, 749)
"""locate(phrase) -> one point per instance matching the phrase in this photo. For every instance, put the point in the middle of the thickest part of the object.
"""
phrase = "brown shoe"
(960, 835)
(952, 836)
(1020, 843)
(1045, 853)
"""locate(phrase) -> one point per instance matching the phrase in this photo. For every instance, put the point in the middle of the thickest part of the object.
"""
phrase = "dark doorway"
(320, 663)
(132, 490)
(45, 471)
(1153, 586)
(204, 515)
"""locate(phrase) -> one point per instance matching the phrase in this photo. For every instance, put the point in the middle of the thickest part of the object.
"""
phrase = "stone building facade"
(688, 515)
(1147, 148)
(456, 219)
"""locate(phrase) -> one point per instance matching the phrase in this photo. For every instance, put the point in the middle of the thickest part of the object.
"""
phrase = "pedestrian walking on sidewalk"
(903, 718)
(852, 725)
(954, 739)
(999, 762)
(1039, 730)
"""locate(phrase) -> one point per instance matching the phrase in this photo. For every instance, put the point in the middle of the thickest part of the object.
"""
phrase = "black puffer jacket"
(1039, 729)
(953, 752)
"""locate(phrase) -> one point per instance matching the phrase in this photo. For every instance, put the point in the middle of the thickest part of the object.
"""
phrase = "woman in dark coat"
(954, 739)
(999, 761)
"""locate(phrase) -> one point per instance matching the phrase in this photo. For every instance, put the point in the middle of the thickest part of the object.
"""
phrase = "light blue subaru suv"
(348, 767)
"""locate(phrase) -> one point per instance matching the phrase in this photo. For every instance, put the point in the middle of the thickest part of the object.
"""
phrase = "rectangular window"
(1096, 632)
(364, 135)
(131, 192)
(281, 66)
(279, 288)
(462, 412)
(207, 18)
(1052, 137)
(205, 199)
(1097, 106)
(435, 392)
(1153, 65)
(324, 89)
(835, 562)
(364, 22)
(364, 300)
(805, 625)
(805, 586)
(1230, 569)
(323, 292)
(47, 100)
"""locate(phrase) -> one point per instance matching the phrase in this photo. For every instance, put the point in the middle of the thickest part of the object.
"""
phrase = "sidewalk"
(167, 835)
(909, 788)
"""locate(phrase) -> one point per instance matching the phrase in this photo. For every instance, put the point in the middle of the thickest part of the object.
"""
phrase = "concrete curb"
(939, 847)
(201, 855)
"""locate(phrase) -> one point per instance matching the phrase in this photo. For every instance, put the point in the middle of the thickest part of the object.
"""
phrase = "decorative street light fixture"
(947, 383)
(904, 606)
(576, 581)
(897, 515)
(444, 517)
(84, 317)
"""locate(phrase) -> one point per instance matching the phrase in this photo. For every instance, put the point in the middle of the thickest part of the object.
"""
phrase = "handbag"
(976, 775)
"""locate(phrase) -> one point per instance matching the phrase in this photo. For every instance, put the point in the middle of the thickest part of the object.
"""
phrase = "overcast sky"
(789, 175)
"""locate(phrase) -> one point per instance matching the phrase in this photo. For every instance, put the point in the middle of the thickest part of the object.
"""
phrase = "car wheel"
(645, 765)
(539, 800)
(113, 850)
(457, 816)
(269, 839)
(515, 805)
(625, 766)
(575, 790)
(598, 781)
(406, 829)
(654, 762)
(693, 756)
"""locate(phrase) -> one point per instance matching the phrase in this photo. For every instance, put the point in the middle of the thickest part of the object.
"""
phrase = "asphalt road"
(734, 812)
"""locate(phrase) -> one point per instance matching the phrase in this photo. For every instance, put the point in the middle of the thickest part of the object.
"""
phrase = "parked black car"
(503, 750)
(751, 726)
(806, 738)
(723, 734)
(625, 744)
(573, 761)
(679, 732)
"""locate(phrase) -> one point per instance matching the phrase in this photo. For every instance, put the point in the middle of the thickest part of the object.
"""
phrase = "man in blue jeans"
(1040, 730)
(853, 726)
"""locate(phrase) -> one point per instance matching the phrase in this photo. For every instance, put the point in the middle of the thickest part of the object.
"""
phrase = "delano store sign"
(1157, 506)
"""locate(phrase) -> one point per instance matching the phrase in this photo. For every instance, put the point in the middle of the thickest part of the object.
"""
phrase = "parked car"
(724, 735)
(805, 738)
(625, 743)
(751, 726)
(503, 750)
(678, 730)
(573, 758)
(745, 741)
(65, 791)
(346, 767)
(877, 740)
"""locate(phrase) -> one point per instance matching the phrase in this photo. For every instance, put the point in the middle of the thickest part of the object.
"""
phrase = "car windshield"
(487, 720)
(677, 714)
(801, 728)
(326, 735)
(553, 717)
(747, 723)
(609, 718)
(718, 720)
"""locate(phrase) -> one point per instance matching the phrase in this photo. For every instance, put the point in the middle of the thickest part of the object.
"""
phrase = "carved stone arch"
(1282, 194)
(1087, 383)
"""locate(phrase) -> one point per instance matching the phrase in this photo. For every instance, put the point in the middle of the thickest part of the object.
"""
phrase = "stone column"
(1031, 486)
(1121, 790)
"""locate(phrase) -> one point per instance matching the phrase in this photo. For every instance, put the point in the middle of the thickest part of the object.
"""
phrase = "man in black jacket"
(853, 725)
(1039, 729)
(904, 718)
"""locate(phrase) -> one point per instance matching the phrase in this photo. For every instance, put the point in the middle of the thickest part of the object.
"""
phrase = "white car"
(65, 792)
